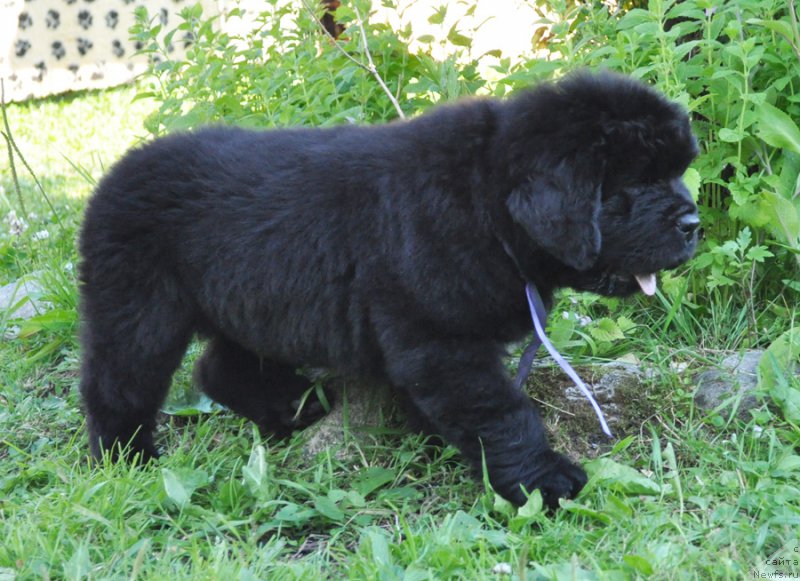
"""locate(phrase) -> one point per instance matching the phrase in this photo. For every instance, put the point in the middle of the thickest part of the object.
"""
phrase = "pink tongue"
(648, 283)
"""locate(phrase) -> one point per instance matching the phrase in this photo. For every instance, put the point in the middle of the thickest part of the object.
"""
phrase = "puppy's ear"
(561, 215)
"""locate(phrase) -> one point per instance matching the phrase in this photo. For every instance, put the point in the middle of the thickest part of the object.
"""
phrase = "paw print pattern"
(58, 50)
(84, 45)
(24, 21)
(42, 68)
(117, 49)
(56, 14)
(53, 19)
(21, 47)
(84, 19)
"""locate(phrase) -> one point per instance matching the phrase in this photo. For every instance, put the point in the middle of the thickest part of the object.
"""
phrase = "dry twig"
(13, 148)
(370, 67)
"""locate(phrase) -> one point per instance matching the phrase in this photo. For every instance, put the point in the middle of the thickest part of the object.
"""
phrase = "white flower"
(582, 321)
(16, 224)
(502, 569)
(41, 235)
(69, 266)
(11, 333)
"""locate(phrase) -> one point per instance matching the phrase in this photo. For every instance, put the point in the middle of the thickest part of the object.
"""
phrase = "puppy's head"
(596, 165)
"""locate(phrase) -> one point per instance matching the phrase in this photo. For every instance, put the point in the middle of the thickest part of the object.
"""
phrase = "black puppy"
(407, 265)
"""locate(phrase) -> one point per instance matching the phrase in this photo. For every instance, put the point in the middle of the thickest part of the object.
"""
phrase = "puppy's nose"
(688, 225)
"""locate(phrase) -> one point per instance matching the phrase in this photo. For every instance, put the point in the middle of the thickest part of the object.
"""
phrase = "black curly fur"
(397, 253)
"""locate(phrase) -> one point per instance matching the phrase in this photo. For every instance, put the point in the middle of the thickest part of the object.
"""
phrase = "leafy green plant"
(777, 374)
(736, 66)
(732, 263)
(285, 71)
(590, 326)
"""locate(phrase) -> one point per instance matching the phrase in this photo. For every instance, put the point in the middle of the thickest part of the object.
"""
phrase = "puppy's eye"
(619, 202)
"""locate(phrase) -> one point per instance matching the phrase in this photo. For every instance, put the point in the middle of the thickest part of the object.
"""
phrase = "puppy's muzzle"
(688, 225)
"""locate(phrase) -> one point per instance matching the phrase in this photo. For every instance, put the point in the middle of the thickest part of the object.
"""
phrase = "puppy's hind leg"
(128, 359)
(264, 391)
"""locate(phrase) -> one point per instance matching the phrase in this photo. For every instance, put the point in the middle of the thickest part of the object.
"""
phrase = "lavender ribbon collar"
(539, 316)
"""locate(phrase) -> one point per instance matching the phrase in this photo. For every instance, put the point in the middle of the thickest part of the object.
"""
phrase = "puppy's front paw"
(557, 477)
(552, 473)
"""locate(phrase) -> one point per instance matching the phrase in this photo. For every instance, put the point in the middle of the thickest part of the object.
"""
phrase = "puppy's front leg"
(461, 389)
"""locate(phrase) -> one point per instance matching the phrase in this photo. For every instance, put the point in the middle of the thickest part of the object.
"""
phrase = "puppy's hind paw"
(289, 416)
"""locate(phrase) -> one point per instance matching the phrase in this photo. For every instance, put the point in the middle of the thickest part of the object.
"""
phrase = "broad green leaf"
(257, 469)
(532, 507)
(380, 548)
(502, 506)
(606, 330)
(575, 508)
(439, 15)
(758, 254)
(729, 135)
(294, 513)
(789, 464)
(784, 220)
(327, 508)
(792, 284)
(743, 239)
(458, 39)
(619, 477)
(190, 402)
(79, 565)
(692, 180)
(175, 489)
(355, 499)
(775, 365)
(180, 484)
(780, 26)
(755, 214)
(777, 128)
(639, 563)
(372, 479)
(54, 320)
(634, 18)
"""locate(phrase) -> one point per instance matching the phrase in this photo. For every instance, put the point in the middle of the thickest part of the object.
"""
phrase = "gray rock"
(21, 300)
(611, 384)
(735, 378)
(357, 408)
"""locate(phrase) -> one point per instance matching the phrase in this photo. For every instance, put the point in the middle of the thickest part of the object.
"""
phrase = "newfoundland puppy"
(396, 253)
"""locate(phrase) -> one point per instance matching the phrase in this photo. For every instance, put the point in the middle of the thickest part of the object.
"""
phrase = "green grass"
(682, 495)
